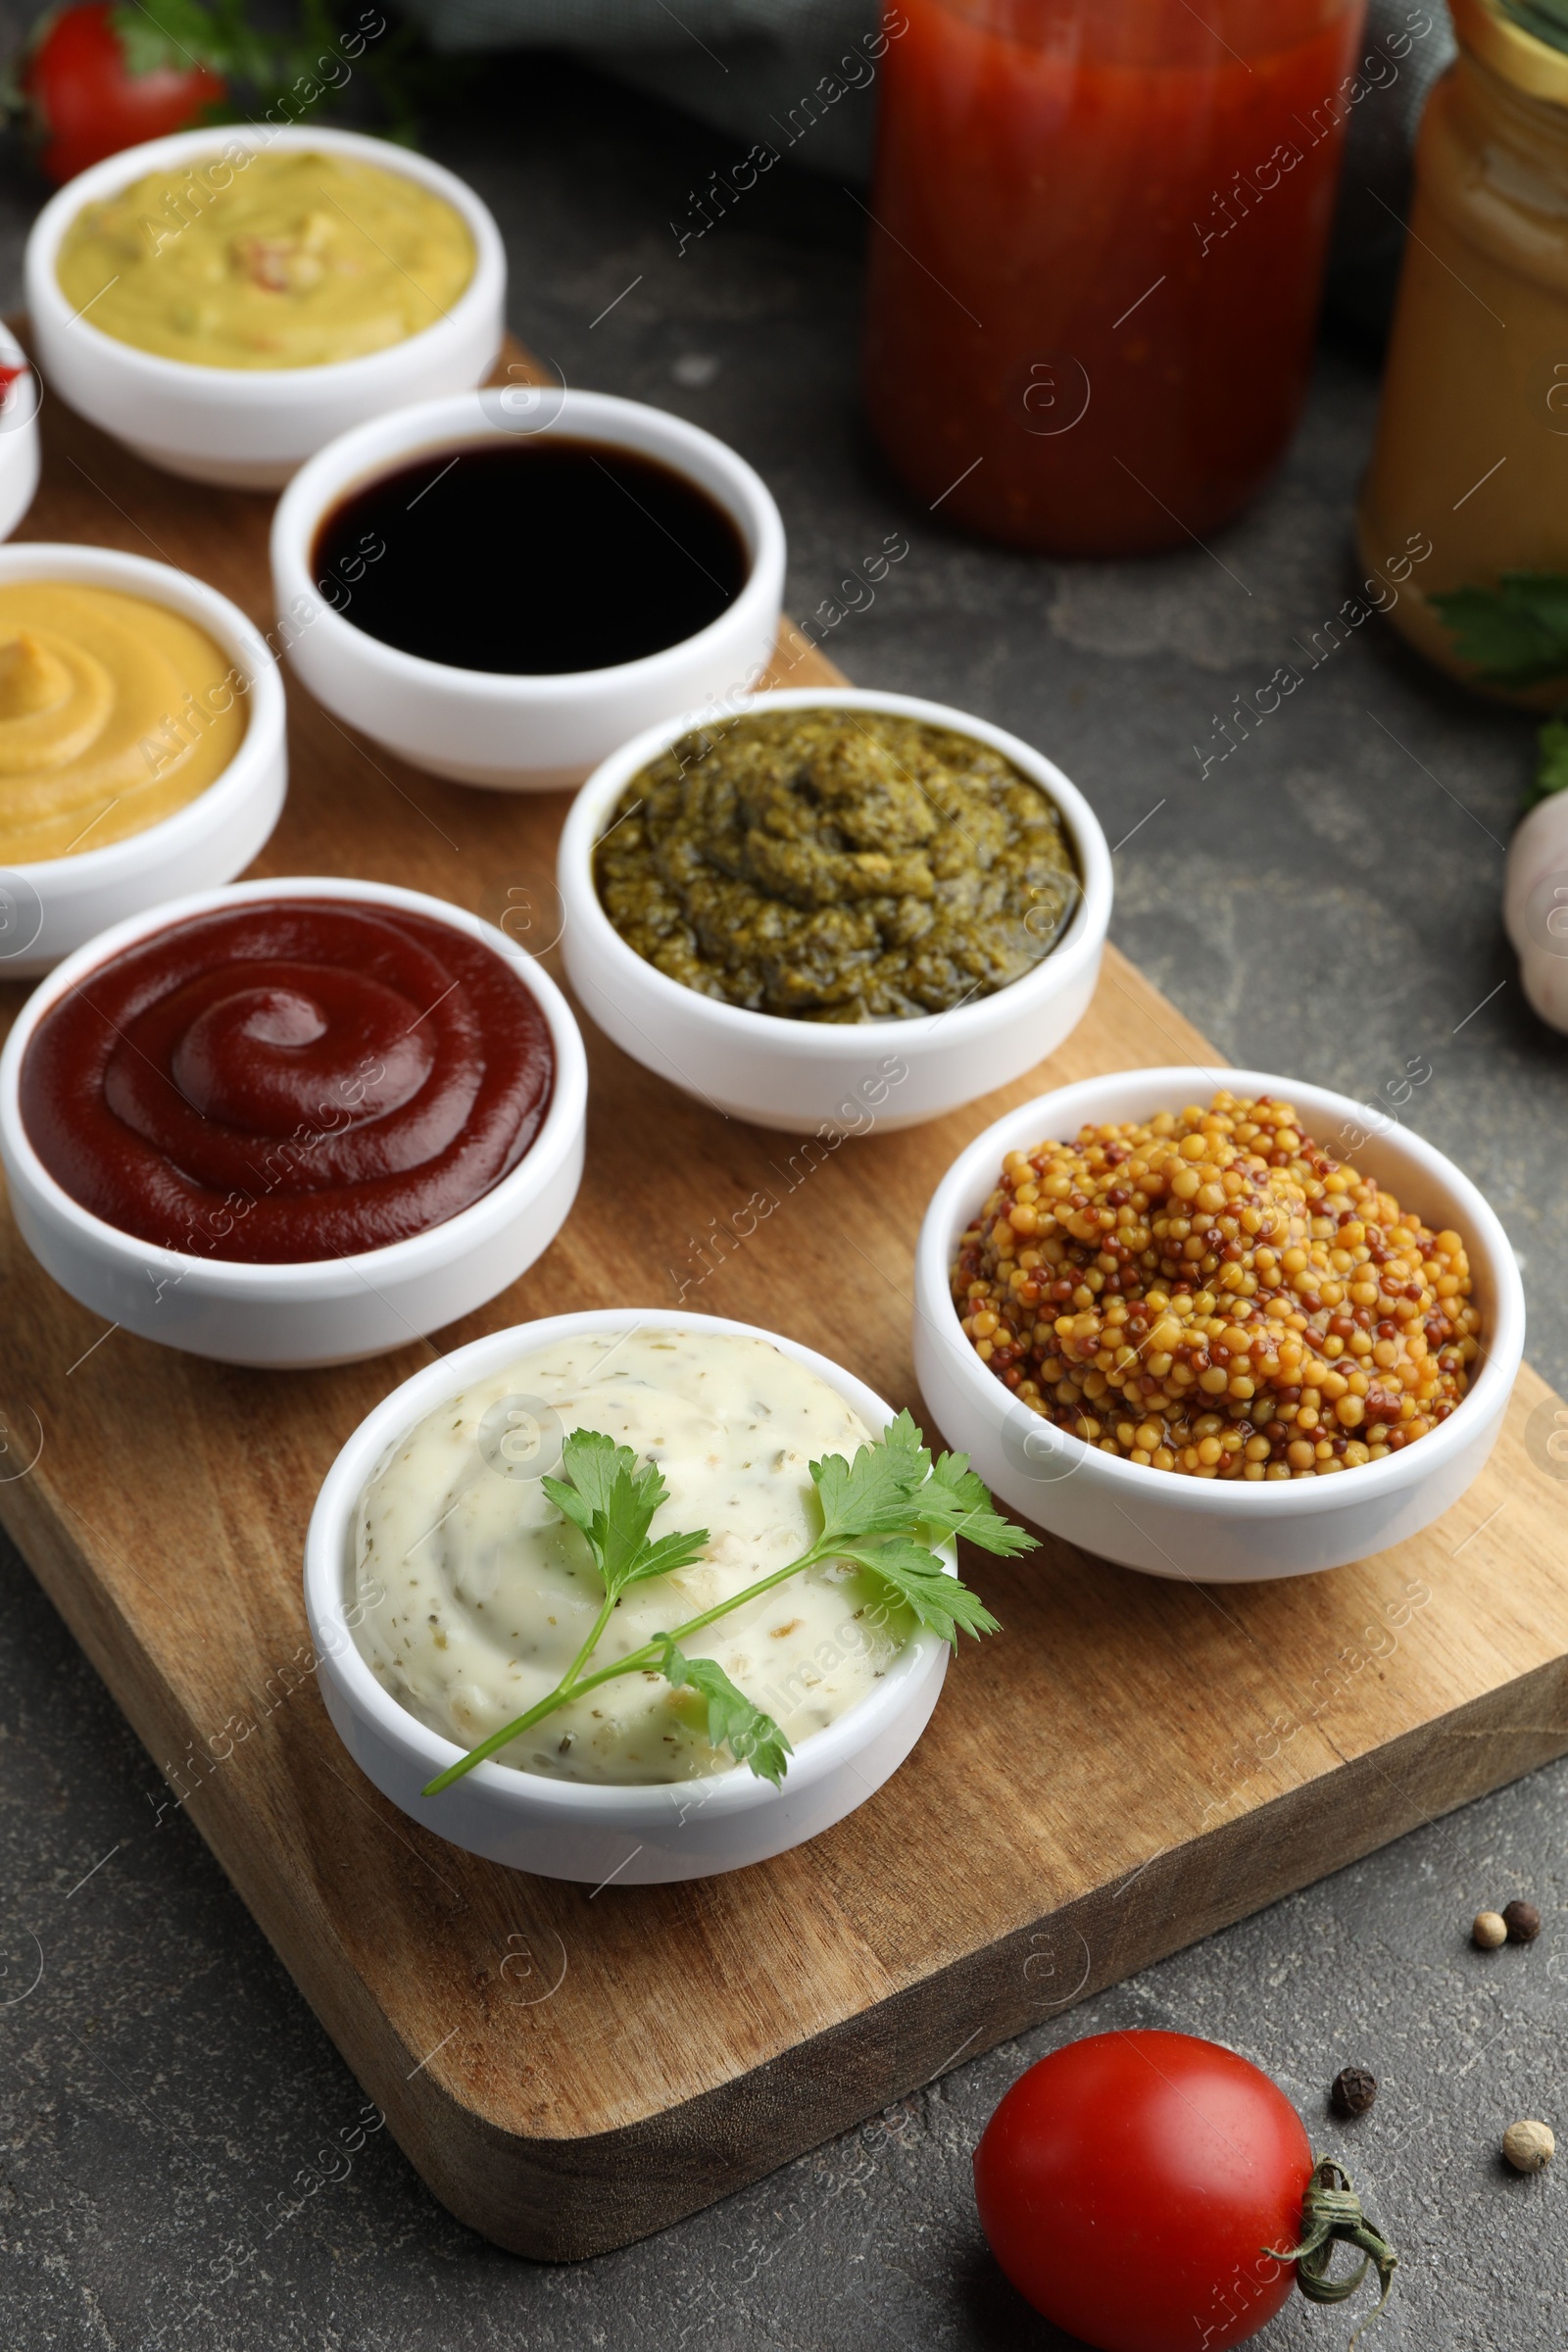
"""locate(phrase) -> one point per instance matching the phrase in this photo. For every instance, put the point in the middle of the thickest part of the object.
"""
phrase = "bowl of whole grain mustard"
(1213, 1325)
(226, 301)
(834, 909)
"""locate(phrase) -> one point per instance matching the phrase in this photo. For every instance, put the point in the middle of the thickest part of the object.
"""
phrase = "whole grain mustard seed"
(1211, 1292)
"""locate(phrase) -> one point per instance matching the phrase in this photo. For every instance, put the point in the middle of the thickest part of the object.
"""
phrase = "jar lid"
(1498, 32)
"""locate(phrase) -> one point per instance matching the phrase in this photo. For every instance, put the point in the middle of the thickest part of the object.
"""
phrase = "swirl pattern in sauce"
(288, 1080)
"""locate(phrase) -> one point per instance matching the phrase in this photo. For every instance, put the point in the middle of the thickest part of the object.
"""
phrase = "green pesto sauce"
(837, 865)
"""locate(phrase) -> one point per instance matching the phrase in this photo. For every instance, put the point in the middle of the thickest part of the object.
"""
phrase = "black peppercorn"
(1354, 2091)
(1522, 1921)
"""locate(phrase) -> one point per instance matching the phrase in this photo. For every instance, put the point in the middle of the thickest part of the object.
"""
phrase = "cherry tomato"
(85, 101)
(1130, 2183)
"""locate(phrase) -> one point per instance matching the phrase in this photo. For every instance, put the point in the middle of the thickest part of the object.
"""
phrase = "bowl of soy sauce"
(503, 585)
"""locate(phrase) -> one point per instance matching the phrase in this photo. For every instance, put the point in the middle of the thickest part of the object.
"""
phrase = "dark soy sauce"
(532, 556)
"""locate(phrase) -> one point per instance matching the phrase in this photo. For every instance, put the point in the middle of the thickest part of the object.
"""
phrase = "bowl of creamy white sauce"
(447, 1595)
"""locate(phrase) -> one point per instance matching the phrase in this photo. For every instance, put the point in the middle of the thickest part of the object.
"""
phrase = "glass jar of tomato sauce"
(1097, 254)
(1472, 447)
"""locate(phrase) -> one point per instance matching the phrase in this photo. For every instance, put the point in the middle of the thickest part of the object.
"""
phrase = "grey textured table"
(1327, 902)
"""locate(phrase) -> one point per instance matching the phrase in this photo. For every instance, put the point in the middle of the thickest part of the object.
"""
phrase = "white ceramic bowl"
(53, 906)
(1199, 1528)
(527, 733)
(797, 1075)
(568, 1830)
(251, 427)
(325, 1310)
(19, 435)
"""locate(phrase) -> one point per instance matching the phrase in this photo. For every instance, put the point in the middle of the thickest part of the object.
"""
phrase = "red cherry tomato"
(1130, 2183)
(85, 101)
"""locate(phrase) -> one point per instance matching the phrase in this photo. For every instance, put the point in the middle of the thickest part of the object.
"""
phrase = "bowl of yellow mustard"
(226, 301)
(141, 744)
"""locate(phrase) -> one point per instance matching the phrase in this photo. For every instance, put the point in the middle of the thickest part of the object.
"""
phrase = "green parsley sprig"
(883, 1511)
(289, 65)
(1517, 636)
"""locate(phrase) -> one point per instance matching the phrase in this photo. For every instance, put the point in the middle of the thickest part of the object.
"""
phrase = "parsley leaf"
(1551, 765)
(613, 1501)
(1516, 633)
(956, 1498)
(891, 1489)
(874, 1494)
(298, 61)
(875, 1509)
(180, 34)
(937, 1598)
(155, 34)
(752, 1736)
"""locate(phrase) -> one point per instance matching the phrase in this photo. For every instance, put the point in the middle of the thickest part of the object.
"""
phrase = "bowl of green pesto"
(835, 908)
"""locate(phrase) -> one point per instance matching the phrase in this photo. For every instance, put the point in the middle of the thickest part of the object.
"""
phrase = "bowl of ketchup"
(293, 1122)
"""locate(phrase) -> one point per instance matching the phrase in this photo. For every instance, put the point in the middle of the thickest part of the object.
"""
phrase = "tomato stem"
(1331, 2216)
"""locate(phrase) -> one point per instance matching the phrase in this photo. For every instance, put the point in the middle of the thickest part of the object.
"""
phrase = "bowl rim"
(237, 387)
(970, 1178)
(14, 355)
(460, 420)
(81, 563)
(620, 1802)
(825, 1041)
(243, 1280)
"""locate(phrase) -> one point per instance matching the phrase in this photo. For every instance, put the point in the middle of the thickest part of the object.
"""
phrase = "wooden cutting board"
(1130, 1765)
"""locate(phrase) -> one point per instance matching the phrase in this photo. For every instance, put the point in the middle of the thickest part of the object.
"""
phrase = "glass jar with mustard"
(1471, 458)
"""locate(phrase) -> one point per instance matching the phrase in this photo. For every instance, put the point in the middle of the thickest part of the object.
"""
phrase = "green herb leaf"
(956, 1500)
(667, 1555)
(941, 1602)
(1516, 633)
(874, 1510)
(751, 1737)
(891, 1489)
(166, 33)
(296, 66)
(613, 1501)
(874, 1494)
(1552, 766)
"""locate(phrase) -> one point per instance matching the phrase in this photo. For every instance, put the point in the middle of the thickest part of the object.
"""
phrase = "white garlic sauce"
(471, 1592)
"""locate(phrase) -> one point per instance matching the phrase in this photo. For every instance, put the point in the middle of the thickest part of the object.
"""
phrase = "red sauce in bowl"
(287, 1080)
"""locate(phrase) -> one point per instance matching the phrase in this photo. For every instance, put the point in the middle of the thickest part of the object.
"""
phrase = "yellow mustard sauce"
(258, 260)
(114, 713)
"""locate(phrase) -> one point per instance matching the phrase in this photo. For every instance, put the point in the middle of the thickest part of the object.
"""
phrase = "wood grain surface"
(1130, 1765)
